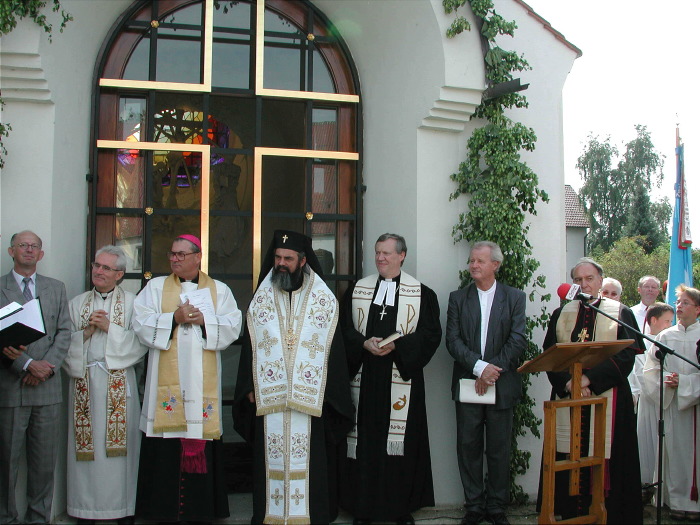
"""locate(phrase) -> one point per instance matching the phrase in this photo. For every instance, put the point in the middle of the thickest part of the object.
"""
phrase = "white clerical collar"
(386, 292)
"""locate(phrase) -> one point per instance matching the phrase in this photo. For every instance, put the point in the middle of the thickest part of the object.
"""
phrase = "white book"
(467, 393)
(24, 326)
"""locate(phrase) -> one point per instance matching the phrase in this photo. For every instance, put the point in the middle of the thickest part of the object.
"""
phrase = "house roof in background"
(575, 214)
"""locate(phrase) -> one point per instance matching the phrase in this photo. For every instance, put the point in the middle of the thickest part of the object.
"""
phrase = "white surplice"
(680, 412)
(104, 488)
(154, 328)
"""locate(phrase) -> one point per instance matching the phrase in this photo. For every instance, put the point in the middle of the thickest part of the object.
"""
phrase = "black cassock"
(327, 433)
(377, 485)
(623, 479)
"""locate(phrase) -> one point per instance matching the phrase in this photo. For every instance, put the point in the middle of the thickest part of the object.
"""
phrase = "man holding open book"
(30, 385)
(486, 337)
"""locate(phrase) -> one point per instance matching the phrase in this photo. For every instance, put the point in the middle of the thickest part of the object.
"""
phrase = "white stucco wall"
(418, 89)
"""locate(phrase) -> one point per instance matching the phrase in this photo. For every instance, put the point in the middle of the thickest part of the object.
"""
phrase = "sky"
(639, 65)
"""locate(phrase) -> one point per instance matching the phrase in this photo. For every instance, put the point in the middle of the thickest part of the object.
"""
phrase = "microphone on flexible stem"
(572, 292)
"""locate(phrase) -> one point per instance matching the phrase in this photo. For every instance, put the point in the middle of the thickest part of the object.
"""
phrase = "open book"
(24, 326)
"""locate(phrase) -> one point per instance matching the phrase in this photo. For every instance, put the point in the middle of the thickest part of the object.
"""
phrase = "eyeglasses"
(686, 303)
(26, 246)
(106, 268)
(180, 256)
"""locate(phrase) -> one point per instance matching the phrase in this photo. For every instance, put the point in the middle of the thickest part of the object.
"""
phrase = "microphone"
(571, 292)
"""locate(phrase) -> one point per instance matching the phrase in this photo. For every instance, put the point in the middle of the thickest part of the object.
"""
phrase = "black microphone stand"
(661, 355)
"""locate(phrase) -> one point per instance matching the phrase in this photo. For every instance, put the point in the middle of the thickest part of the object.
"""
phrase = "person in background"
(681, 386)
(659, 317)
(612, 289)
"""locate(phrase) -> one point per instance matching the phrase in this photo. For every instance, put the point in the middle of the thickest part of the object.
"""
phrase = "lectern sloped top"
(560, 357)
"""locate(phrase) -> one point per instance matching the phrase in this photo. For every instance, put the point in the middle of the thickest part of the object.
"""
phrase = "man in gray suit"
(30, 385)
(486, 337)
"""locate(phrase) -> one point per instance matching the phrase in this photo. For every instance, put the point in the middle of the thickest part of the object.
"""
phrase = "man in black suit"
(486, 337)
(30, 385)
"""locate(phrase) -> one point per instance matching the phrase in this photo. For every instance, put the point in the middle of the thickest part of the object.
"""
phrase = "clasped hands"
(188, 314)
(671, 380)
(371, 346)
(585, 386)
(98, 319)
(37, 371)
(488, 378)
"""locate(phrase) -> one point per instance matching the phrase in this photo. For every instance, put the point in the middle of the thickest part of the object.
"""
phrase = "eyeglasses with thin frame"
(106, 268)
(686, 303)
(26, 246)
(180, 256)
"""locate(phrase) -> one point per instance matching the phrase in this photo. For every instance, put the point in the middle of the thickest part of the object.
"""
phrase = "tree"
(627, 261)
(615, 193)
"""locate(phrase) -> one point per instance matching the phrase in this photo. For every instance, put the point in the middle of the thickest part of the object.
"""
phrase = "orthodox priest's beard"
(285, 280)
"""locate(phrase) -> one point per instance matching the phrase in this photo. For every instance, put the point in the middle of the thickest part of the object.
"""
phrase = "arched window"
(227, 119)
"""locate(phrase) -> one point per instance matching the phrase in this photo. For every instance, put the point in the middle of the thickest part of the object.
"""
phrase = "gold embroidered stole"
(605, 329)
(170, 410)
(115, 439)
(406, 322)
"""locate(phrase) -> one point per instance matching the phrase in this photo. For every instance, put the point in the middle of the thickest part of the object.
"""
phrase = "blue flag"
(680, 267)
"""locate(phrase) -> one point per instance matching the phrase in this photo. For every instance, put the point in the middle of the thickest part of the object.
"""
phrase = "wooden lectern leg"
(548, 463)
(575, 436)
(597, 507)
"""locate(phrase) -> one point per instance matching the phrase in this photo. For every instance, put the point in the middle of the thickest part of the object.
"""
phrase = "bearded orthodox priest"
(575, 322)
(292, 399)
(187, 319)
(387, 473)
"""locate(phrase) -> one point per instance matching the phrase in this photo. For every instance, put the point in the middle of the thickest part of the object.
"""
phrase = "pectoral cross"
(382, 313)
(583, 335)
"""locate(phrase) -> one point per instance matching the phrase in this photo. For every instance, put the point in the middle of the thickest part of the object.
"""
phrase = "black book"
(23, 326)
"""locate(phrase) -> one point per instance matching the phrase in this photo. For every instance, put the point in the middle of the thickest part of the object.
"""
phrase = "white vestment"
(680, 414)
(154, 328)
(647, 420)
(104, 488)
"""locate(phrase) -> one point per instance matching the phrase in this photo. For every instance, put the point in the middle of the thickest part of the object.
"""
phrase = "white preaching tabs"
(387, 291)
(200, 299)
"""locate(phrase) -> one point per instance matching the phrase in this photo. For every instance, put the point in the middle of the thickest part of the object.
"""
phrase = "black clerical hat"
(292, 241)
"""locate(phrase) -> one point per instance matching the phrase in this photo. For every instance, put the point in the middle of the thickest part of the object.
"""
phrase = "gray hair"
(615, 283)
(114, 250)
(400, 242)
(496, 253)
(587, 260)
(648, 278)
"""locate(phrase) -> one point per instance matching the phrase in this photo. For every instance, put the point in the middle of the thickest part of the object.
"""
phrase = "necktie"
(27, 292)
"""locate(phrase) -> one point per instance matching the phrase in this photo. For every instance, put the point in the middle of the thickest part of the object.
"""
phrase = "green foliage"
(610, 192)
(628, 260)
(502, 190)
(12, 10)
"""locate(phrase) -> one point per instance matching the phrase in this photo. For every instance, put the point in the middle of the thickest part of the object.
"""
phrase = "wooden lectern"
(574, 357)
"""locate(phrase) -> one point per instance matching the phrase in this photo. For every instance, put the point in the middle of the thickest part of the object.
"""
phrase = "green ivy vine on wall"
(501, 190)
(10, 12)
